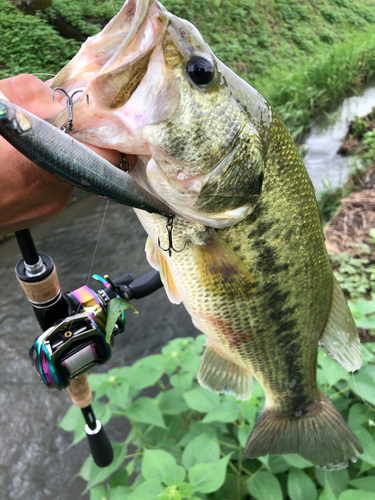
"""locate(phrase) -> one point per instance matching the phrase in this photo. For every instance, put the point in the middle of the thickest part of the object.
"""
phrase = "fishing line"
(113, 7)
(360, 395)
(97, 242)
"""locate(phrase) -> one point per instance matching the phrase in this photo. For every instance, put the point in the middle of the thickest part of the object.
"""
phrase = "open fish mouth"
(108, 70)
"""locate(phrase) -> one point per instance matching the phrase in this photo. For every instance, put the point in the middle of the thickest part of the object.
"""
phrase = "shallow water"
(323, 163)
(34, 461)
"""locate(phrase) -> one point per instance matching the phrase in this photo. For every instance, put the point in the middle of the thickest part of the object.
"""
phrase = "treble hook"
(169, 227)
(68, 126)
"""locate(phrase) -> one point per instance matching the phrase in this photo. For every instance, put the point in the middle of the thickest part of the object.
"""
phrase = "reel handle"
(100, 446)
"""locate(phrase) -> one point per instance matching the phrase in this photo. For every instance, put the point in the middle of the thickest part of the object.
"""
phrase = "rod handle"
(100, 446)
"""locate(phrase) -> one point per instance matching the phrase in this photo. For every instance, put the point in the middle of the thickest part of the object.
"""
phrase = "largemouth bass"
(254, 273)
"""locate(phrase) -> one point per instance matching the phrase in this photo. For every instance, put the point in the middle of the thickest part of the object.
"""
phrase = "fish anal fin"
(219, 374)
(151, 254)
(340, 339)
(220, 268)
(319, 434)
(157, 261)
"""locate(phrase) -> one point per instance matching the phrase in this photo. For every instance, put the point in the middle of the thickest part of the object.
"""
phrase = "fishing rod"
(73, 326)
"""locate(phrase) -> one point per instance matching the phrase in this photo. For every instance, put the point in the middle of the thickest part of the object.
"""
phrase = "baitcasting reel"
(75, 344)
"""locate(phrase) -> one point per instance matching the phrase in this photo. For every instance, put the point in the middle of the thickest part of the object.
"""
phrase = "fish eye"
(200, 70)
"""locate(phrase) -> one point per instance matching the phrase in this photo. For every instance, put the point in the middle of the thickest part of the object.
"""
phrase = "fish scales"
(253, 271)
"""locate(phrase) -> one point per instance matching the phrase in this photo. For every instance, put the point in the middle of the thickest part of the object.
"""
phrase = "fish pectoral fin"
(157, 261)
(220, 269)
(340, 339)
(219, 374)
(319, 434)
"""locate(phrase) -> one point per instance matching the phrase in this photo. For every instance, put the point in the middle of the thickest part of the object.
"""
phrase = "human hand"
(28, 194)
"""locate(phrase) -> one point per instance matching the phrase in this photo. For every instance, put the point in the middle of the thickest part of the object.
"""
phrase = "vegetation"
(187, 443)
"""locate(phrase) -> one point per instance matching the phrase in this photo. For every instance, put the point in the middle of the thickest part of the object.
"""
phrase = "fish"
(244, 251)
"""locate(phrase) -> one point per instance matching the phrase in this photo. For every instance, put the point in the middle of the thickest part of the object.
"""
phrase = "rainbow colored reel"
(77, 343)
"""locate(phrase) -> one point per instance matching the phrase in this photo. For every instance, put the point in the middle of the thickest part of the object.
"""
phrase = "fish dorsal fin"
(219, 374)
(340, 338)
(220, 269)
(157, 261)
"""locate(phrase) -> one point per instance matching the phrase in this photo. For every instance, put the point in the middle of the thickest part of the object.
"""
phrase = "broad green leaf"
(114, 309)
(118, 394)
(333, 372)
(170, 493)
(186, 489)
(265, 485)
(297, 461)
(358, 415)
(72, 419)
(145, 410)
(201, 399)
(98, 493)
(225, 411)
(362, 383)
(174, 475)
(337, 479)
(357, 495)
(149, 490)
(209, 477)
(364, 483)
(119, 493)
(301, 486)
(155, 463)
(249, 411)
(243, 434)
(119, 478)
(368, 444)
(327, 493)
(277, 464)
(145, 375)
(182, 381)
(96, 379)
(94, 474)
(172, 402)
(201, 450)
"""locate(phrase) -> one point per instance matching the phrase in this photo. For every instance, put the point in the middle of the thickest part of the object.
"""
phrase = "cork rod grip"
(80, 391)
(42, 291)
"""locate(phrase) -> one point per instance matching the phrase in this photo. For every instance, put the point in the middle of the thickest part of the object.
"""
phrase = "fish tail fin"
(319, 435)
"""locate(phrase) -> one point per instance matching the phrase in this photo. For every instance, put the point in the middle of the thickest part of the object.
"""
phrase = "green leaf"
(201, 399)
(146, 372)
(364, 483)
(119, 478)
(297, 461)
(209, 477)
(333, 372)
(357, 495)
(149, 490)
(223, 412)
(72, 419)
(186, 489)
(301, 486)
(174, 475)
(98, 493)
(172, 402)
(94, 474)
(243, 434)
(155, 463)
(114, 309)
(203, 449)
(145, 410)
(119, 493)
(96, 379)
(265, 485)
(327, 493)
(182, 380)
(249, 411)
(338, 479)
(362, 383)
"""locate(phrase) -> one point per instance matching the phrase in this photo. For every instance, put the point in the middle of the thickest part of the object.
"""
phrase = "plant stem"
(229, 445)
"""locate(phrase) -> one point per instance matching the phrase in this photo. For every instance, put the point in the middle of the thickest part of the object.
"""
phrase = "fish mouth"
(108, 70)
